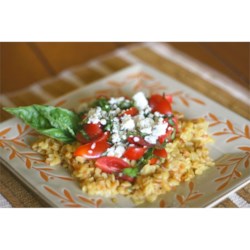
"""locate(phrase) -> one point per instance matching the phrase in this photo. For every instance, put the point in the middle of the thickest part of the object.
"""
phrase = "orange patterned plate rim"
(55, 185)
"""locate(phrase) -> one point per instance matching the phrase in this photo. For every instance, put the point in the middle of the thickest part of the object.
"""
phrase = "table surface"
(37, 60)
(33, 62)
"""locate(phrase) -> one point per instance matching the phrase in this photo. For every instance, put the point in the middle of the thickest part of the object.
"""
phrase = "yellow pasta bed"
(187, 157)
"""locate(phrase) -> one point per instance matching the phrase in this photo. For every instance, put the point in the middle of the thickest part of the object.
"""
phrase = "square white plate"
(55, 185)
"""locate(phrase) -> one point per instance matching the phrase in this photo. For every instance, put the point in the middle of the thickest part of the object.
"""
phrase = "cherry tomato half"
(93, 149)
(160, 152)
(81, 138)
(169, 98)
(160, 104)
(93, 130)
(110, 164)
(141, 141)
(134, 153)
(162, 138)
(131, 111)
(153, 160)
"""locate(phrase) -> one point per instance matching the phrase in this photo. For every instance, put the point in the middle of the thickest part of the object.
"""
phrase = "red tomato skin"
(134, 153)
(81, 138)
(141, 141)
(101, 145)
(160, 104)
(169, 98)
(162, 138)
(93, 130)
(160, 152)
(153, 160)
(110, 164)
(131, 111)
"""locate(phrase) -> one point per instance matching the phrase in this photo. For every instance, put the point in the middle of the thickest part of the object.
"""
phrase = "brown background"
(26, 62)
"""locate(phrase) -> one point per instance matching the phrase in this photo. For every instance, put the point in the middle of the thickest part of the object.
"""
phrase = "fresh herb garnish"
(58, 123)
(126, 104)
(108, 126)
(132, 172)
(84, 134)
(171, 122)
(173, 134)
(103, 103)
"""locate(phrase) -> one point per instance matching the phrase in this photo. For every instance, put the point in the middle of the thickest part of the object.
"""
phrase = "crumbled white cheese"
(141, 101)
(146, 122)
(150, 124)
(150, 139)
(119, 150)
(116, 150)
(93, 145)
(159, 129)
(147, 130)
(117, 100)
(90, 151)
(124, 137)
(136, 139)
(157, 114)
(95, 114)
(115, 138)
(127, 123)
(103, 121)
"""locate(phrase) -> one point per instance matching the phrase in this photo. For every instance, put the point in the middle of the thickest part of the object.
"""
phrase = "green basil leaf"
(103, 103)
(125, 104)
(171, 122)
(60, 118)
(57, 134)
(31, 116)
(132, 172)
(58, 123)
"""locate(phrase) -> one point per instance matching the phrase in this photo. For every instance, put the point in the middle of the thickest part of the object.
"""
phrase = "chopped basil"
(173, 134)
(132, 172)
(108, 126)
(133, 133)
(126, 104)
(84, 134)
(171, 122)
(103, 103)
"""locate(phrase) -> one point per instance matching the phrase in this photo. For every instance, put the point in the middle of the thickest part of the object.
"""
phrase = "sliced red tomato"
(169, 98)
(131, 111)
(95, 148)
(160, 103)
(140, 142)
(160, 152)
(110, 164)
(81, 138)
(134, 153)
(153, 160)
(175, 120)
(162, 138)
(93, 130)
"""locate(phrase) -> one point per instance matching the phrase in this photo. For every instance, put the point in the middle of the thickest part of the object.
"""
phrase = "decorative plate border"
(58, 186)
